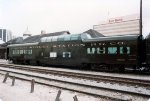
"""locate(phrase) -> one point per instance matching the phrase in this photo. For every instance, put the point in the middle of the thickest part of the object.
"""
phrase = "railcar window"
(29, 51)
(66, 54)
(53, 55)
(74, 37)
(21, 51)
(101, 50)
(25, 52)
(17, 51)
(124, 50)
(49, 39)
(13, 52)
(112, 50)
(67, 38)
(54, 38)
(60, 38)
(91, 51)
(42, 54)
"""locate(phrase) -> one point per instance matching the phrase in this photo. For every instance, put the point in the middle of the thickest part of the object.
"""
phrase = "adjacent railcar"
(148, 51)
(111, 53)
(2, 52)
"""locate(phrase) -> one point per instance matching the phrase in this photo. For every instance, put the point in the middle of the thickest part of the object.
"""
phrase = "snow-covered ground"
(44, 93)
(21, 92)
(144, 90)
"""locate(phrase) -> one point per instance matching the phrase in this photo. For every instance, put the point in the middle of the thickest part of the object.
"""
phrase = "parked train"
(81, 50)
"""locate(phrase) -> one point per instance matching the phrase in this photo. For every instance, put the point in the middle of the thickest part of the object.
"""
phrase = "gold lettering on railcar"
(54, 46)
(69, 45)
(120, 43)
(112, 43)
(76, 45)
(59, 45)
(82, 44)
(63, 45)
(102, 44)
(93, 44)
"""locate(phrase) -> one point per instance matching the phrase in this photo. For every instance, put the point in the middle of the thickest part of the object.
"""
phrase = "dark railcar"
(115, 52)
(148, 51)
(2, 52)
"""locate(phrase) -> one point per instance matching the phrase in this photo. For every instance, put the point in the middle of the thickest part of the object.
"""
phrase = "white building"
(119, 26)
(5, 35)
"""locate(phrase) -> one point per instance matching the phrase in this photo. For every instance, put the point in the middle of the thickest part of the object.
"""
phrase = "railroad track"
(98, 78)
(92, 88)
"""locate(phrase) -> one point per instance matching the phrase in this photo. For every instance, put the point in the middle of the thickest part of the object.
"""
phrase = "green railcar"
(81, 50)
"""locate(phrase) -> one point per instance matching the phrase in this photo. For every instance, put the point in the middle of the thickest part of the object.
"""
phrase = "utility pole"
(141, 26)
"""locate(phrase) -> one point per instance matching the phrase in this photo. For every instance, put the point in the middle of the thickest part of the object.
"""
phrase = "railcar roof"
(87, 38)
(25, 44)
(113, 38)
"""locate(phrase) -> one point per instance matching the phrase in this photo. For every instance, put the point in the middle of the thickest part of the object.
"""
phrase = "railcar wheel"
(85, 66)
(121, 69)
(14, 61)
(93, 66)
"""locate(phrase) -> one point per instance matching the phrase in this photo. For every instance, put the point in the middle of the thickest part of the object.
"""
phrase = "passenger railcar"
(107, 53)
(2, 52)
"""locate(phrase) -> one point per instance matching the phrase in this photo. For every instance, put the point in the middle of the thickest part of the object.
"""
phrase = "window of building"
(66, 54)
(53, 54)
(124, 50)
(101, 50)
(112, 50)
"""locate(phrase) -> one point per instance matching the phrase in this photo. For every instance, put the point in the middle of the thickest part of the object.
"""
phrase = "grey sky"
(58, 15)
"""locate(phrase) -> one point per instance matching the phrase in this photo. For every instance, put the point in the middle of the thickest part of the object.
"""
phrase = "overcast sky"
(59, 15)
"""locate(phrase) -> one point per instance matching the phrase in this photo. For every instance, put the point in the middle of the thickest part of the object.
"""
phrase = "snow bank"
(21, 92)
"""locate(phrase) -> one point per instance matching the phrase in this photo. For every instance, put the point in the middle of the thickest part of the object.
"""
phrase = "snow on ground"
(87, 82)
(43, 93)
(3, 61)
(21, 92)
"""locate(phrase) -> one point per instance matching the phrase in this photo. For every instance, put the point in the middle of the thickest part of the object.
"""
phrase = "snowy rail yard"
(48, 93)
(21, 92)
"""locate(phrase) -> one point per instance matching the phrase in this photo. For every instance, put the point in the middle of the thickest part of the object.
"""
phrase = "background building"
(119, 26)
(5, 35)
